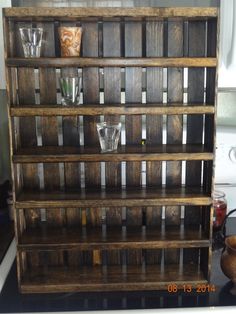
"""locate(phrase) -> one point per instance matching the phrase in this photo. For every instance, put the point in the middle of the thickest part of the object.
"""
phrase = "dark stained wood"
(93, 243)
(196, 47)
(64, 279)
(174, 124)
(72, 174)
(123, 153)
(129, 61)
(154, 94)
(27, 131)
(47, 238)
(110, 12)
(113, 197)
(91, 95)
(129, 109)
(112, 95)
(133, 124)
(49, 131)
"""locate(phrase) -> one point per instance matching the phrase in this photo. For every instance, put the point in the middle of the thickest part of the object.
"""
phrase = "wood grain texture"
(132, 196)
(174, 124)
(62, 279)
(130, 61)
(91, 91)
(128, 109)
(27, 138)
(110, 12)
(112, 95)
(46, 238)
(154, 94)
(196, 48)
(133, 124)
(72, 173)
(73, 251)
(49, 131)
(123, 153)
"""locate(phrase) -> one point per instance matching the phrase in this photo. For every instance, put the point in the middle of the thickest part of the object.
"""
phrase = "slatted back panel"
(91, 95)
(154, 123)
(27, 130)
(120, 37)
(174, 125)
(196, 81)
(133, 124)
(112, 95)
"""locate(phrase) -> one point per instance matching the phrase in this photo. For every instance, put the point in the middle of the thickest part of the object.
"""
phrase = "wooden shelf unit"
(136, 219)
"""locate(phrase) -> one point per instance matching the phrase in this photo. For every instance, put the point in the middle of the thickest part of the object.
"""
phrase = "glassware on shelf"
(31, 39)
(109, 135)
(70, 87)
(70, 40)
(220, 209)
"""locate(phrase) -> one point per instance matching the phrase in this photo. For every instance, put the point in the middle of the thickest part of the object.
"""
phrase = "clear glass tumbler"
(31, 39)
(70, 90)
(109, 135)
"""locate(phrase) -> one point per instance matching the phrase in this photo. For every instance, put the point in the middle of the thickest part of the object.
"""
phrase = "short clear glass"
(70, 90)
(31, 39)
(109, 135)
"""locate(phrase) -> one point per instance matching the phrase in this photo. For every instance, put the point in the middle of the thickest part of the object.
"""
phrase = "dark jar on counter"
(220, 209)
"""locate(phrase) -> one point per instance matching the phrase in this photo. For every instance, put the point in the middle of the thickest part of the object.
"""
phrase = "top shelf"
(71, 13)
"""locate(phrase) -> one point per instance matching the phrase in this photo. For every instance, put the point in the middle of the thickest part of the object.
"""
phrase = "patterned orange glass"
(70, 39)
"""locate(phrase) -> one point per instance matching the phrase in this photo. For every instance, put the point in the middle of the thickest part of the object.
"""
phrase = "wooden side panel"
(133, 124)
(91, 96)
(112, 95)
(27, 138)
(196, 48)
(209, 138)
(154, 48)
(174, 124)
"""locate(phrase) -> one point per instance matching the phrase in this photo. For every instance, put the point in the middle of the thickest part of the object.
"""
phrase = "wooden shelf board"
(78, 279)
(112, 62)
(91, 110)
(124, 153)
(111, 12)
(132, 196)
(51, 238)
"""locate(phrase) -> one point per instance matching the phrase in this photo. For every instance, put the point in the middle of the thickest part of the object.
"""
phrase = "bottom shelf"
(69, 279)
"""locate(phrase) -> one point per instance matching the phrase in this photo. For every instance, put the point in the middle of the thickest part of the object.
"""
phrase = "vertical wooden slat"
(112, 95)
(154, 48)
(71, 137)
(133, 124)
(196, 48)
(174, 124)
(49, 131)
(91, 95)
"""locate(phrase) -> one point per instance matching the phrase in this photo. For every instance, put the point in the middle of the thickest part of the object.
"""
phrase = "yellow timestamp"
(188, 288)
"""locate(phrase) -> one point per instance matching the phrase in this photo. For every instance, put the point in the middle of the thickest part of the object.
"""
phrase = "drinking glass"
(31, 39)
(109, 135)
(70, 40)
(70, 90)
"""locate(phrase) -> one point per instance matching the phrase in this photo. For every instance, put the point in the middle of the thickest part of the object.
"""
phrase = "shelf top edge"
(111, 12)
(114, 62)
